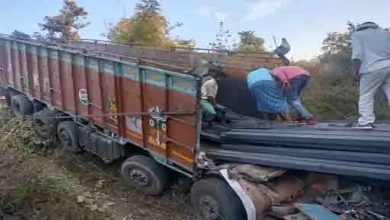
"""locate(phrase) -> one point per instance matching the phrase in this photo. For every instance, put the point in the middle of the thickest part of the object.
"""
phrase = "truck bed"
(332, 148)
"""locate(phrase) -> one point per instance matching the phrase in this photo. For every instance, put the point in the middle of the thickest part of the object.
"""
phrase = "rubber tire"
(21, 106)
(8, 97)
(71, 142)
(227, 202)
(45, 123)
(158, 178)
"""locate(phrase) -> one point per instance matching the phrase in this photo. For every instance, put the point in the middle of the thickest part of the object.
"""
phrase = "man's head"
(367, 25)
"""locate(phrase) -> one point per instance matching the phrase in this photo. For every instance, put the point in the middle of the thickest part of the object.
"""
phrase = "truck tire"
(68, 136)
(8, 97)
(21, 106)
(213, 199)
(45, 123)
(145, 174)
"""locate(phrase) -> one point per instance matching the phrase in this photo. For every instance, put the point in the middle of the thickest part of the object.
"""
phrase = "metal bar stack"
(323, 148)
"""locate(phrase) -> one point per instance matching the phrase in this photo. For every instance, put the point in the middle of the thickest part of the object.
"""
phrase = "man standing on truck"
(209, 92)
(292, 80)
(371, 62)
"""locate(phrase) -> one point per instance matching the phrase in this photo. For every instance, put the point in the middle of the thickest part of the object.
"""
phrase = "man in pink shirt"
(292, 81)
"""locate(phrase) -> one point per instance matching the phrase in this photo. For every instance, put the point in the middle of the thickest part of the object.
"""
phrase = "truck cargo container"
(146, 113)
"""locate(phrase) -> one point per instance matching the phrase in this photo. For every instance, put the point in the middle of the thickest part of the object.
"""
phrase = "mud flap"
(245, 199)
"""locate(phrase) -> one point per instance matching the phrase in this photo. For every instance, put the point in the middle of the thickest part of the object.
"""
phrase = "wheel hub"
(139, 177)
(65, 138)
(209, 208)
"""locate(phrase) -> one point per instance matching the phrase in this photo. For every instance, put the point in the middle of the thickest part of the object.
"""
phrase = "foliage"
(66, 24)
(223, 39)
(249, 42)
(333, 91)
(146, 26)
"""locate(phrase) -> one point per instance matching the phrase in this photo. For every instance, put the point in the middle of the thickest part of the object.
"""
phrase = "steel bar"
(307, 164)
(376, 158)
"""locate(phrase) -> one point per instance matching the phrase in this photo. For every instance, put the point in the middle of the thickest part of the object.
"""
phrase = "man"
(292, 80)
(209, 92)
(371, 62)
(282, 50)
(265, 92)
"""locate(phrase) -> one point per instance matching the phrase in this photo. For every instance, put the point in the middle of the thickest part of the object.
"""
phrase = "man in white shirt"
(209, 92)
(371, 62)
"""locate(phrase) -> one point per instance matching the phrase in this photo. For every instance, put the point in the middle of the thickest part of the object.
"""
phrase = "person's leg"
(369, 85)
(386, 85)
(208, 110)
(293, 99)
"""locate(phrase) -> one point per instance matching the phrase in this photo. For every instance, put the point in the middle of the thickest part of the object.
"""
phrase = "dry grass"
(34, 187)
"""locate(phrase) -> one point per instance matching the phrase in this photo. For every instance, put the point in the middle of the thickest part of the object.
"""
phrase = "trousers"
(370, 84)
(293, 95)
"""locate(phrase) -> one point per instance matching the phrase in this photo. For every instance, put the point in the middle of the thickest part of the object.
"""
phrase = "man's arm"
(357, 55)
(357, 63)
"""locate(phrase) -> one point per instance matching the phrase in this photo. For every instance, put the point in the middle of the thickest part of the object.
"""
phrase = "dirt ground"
(38, 180)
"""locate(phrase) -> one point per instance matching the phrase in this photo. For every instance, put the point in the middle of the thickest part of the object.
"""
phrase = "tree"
(66, 24)
(249, 42)
(146, 26)
(223, 39)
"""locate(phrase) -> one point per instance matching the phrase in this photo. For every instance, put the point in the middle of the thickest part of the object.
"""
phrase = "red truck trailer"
(142, 112)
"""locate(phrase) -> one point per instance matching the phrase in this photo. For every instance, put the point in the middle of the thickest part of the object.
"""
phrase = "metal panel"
(10, 70)
(3, 63)
(131, 101)
(55, 78)
(80, 82)
(16, 66)
(109, 95)
(24, 76)
(44, 74)
(32, 62)
(94, 90)
(67, 82)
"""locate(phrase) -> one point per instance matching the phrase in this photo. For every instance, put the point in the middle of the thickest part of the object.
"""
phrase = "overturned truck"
(146, 113)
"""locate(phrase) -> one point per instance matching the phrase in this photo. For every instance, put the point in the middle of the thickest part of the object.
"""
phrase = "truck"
(146, 113)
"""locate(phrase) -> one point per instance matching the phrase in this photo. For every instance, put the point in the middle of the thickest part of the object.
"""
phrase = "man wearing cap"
(371, 62)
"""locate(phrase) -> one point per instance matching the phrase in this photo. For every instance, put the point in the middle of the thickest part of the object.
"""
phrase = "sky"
(305, 23)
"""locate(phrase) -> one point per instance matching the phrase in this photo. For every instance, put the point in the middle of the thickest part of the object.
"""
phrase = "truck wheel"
(45, 122)
(67, 134)
(8, 97)
(145, 174)
(21, 106)
(213, 199)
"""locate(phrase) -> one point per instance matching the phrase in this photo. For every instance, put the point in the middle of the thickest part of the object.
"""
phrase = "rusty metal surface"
(103, 89)
(254, 173)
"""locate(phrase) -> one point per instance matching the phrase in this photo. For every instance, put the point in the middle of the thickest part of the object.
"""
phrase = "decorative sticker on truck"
(134, 124)
(158, 128)
(113, 110)
(83, 97)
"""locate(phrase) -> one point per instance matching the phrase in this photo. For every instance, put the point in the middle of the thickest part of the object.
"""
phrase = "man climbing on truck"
(268, 98)
(292, 81)
(371, 62)
(209, 92)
